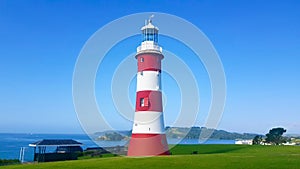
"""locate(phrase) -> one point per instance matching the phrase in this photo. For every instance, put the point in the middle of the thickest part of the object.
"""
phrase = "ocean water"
(10, 144)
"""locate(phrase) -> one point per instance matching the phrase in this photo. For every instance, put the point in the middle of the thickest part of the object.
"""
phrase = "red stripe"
(149, 61)
(150, 69)
(148, 145)
(146, 135)
(148, 101)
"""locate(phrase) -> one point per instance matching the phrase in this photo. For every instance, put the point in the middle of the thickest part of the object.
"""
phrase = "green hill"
(179, 133)
(205, 133)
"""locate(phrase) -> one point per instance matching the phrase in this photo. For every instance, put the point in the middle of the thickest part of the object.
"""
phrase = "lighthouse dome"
(149, 25)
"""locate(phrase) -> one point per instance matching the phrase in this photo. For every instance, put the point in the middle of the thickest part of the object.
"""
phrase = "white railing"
(149, 45)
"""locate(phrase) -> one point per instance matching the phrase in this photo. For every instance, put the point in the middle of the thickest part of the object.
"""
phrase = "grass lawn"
(194, 156)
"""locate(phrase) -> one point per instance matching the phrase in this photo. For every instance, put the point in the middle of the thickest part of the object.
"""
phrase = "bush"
(8, 162)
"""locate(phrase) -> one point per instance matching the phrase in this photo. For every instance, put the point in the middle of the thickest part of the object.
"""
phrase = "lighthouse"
(148, 133)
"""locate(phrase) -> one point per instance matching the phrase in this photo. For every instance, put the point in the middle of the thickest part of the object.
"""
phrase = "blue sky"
(257, 41)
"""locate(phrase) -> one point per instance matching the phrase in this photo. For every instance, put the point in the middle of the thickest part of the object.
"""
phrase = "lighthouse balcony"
(149, 46)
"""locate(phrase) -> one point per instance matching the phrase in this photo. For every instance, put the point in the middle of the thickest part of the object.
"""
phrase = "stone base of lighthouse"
(148, 145)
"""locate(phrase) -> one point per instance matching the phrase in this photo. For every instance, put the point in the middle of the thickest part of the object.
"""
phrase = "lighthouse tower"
(148, 133)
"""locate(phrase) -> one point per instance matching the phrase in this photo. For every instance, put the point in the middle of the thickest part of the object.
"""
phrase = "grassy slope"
(209, 156)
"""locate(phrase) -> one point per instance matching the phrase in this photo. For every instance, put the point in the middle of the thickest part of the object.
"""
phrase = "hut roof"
(55, 142)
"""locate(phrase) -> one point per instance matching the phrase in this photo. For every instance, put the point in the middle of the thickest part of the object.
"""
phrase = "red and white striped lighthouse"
(148, 133)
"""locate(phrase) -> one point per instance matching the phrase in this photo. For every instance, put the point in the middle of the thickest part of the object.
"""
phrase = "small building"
(247, 142)
(56, 150)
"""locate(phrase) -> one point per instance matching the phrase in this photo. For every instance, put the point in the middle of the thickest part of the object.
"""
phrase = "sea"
(11, 144)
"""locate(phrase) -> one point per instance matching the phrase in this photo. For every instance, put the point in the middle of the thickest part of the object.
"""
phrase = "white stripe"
(148, 80)
(150, 122)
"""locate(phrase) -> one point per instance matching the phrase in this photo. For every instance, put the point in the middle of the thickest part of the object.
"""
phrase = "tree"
(257, 140)
(275, 136)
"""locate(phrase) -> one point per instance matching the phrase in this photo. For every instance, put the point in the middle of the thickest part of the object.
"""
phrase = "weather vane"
(150, 18)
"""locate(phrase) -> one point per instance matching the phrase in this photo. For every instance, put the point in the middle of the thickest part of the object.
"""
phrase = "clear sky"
(258, 43)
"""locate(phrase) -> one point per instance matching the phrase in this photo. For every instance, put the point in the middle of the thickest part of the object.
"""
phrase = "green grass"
(205, 156)
(97, 156)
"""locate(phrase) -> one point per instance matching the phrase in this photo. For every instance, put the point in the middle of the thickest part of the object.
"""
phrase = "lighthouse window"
(142, 102)
(142, 59)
